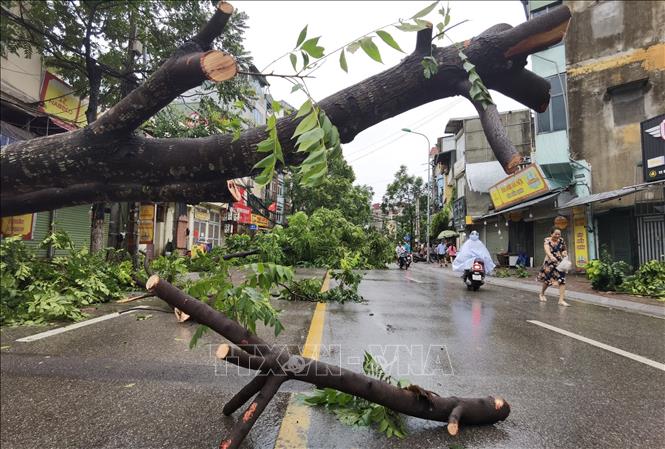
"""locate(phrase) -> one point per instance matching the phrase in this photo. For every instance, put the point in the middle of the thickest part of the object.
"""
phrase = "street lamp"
(429, 187)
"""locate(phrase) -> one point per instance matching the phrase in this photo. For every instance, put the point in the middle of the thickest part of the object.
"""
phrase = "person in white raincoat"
(472, 249)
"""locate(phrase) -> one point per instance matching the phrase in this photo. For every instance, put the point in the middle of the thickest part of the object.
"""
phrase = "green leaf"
(410, 27)
(304, 108)
(342, 62)
(265, 146)
(265, 162)
(370, 48)
(311, 47)
(295, 88)
(197, 335)
(308, 138)
(306, 124)
(276, 106)
(425, 11)
(305, 59)
(388, 39)
(353, 47)
(301, 36)
(294, 60)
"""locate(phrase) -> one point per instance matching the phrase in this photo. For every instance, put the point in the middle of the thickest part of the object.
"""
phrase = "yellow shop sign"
(523, 185)
(260, 221)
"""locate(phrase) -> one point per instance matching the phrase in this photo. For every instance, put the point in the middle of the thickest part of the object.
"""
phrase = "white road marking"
(630, 355)
(78, 325)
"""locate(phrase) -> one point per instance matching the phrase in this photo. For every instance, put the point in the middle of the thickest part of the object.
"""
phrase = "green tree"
(400, 199)
(103, 49)
(336, 191)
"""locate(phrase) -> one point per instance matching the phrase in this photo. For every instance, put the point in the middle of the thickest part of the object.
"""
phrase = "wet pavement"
(133, 383)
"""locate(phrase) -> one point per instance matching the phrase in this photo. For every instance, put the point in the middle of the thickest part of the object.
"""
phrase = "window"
(554, 119)
(628, 102)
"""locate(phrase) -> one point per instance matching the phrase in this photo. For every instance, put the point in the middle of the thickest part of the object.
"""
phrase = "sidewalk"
(578, 288)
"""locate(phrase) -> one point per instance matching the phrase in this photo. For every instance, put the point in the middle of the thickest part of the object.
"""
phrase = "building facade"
(35, 102)
(615, 63)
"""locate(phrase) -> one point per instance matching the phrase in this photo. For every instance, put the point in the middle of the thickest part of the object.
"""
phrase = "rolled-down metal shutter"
(651, 237)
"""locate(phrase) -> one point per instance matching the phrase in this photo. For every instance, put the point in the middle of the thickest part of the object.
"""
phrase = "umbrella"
(447, 234)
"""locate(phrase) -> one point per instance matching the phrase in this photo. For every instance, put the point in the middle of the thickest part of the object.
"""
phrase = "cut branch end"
(152, 282)
(218, 66)
(225, 7)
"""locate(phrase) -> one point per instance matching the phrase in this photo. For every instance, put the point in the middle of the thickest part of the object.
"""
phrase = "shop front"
(206, 224)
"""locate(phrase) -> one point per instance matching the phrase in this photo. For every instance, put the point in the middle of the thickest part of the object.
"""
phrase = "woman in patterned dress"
(555, 251)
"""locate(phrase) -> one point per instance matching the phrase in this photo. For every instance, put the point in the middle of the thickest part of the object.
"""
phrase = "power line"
(427, 120)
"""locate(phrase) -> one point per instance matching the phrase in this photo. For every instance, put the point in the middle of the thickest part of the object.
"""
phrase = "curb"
(588, 298)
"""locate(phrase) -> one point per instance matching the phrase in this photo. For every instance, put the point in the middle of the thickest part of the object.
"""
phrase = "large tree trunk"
(107, 162)
(277, 365)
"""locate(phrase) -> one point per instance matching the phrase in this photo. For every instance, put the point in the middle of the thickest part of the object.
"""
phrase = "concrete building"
(615, 63)
(34, 102)
(464, 171)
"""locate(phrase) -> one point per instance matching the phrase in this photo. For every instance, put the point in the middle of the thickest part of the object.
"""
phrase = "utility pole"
(429, 186)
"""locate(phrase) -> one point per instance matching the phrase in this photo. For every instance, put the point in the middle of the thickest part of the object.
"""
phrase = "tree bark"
(282, 365)
(44, 171)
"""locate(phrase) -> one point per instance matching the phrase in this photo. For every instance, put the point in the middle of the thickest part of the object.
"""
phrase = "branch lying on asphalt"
(254, 353)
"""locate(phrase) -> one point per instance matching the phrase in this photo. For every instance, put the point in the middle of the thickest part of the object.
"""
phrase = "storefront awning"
(482, 175)
(523, 205)
(604, 196)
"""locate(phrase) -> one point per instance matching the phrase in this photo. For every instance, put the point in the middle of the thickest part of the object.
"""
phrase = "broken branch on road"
(278, 365)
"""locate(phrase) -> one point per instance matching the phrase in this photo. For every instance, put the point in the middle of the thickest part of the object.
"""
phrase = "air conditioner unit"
(137, 47)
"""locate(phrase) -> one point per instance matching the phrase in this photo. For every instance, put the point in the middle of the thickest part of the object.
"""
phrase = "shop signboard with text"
(22, 225)
(653, 148)
(259, 220)
(516, 188)
(58, 101)
(580, 236)
(146, 223)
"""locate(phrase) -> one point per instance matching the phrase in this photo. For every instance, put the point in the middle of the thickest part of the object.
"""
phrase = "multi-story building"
(34, 102)
(615, 64)
(466, 171)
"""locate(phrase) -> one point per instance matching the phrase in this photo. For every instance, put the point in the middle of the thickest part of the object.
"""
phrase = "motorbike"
(475, 276)
(404, 260)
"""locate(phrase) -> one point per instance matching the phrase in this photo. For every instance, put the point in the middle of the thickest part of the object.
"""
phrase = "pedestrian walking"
(550, 272)
(441, 254)
(452, 252)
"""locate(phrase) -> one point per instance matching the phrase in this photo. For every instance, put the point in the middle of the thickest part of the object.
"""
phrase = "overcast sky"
(377, 152)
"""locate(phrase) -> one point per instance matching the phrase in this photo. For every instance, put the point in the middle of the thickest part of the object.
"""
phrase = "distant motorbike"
(404, 260)
(418, 258)
(475, 276)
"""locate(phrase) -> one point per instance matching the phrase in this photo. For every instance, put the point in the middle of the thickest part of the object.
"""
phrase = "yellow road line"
(295, 425)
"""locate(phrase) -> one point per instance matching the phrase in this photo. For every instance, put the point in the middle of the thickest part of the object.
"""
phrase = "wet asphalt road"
(128, 383)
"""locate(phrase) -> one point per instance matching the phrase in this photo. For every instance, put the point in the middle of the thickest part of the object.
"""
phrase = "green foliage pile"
(36, 291)
(346, 289)
(521, 272)
(355, 411)
(325, 237)
(649, 280)
(606, 274)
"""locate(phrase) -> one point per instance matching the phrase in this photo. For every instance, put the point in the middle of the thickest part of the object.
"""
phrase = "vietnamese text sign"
(58, 100)
(260, 220)
(147, 223)
(19, 225)
(521, 186)
(581, 246)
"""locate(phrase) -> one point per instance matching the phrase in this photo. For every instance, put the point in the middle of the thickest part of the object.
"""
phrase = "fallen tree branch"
(453, 410)
(41, 173)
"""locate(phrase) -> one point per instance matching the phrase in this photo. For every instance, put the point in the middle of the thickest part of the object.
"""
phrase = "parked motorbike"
(404, 261)
(475, 276)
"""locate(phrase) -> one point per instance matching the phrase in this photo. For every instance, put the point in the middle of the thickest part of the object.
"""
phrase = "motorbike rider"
(473, 249)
